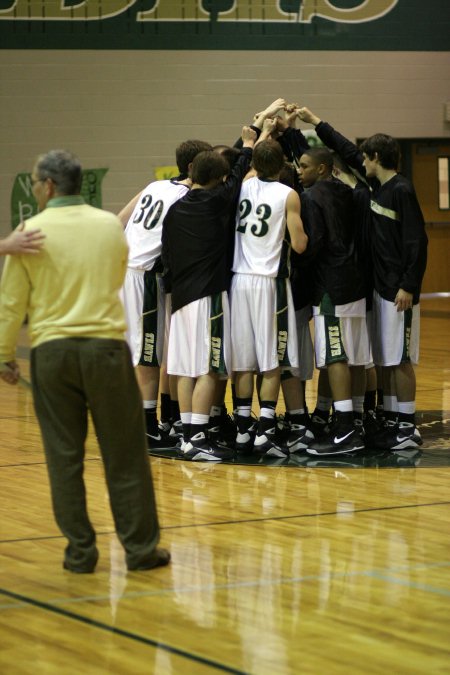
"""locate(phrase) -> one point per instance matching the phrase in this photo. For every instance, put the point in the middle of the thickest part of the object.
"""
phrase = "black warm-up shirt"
(396, 231)
(398, 241)
(196, 236)
(329, 213)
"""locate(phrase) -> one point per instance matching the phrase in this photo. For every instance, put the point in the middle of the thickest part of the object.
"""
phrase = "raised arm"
(292, 140)
(269, 127)
(299, 240)
(271, 110)
(334, 140)
(259, 119)
(230, 189)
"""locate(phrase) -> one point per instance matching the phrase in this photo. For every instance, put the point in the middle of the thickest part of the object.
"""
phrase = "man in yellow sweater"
(80, 363)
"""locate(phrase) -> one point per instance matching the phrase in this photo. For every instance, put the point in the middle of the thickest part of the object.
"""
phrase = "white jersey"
(144, 228)
(260, 228)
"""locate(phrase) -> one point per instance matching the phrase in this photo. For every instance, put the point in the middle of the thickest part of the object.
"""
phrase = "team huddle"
(229, 261)
(220, 271)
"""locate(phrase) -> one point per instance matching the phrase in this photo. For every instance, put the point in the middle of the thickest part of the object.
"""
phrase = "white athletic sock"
(199, 419)
(148, 405)
(407, 407)
(344, 406)
(390, 403)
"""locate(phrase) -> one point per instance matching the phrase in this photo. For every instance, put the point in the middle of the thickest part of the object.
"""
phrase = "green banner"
(375, 25)
(23, 203)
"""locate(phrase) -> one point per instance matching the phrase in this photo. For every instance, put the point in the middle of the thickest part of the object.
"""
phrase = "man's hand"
(291, 114)
(248, 136)
(269, 126)
(307, 116)
(10, 372)
(23, 241)
(270, 111)
(273, 108)
(403, 300)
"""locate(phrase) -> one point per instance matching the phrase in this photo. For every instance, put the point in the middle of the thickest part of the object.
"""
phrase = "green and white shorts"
(263, 328)
(199, 339)
(144, 304)
(395, 335)
(340, 333)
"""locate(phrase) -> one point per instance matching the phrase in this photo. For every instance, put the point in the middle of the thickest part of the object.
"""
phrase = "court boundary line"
(121, 632)
(253, 520)
(380, 574)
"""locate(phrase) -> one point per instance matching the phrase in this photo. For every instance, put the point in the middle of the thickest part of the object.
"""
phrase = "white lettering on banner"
(257, 11)
(368, 10)
(25, 184)
(167, 10)
(25, 211)
(57, 10)
(193, 10)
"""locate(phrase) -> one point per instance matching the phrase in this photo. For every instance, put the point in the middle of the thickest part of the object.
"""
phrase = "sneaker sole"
(161, 444)
(407, 443)
(335, 451)
(199, 457)
(204, 457)
(295, 447)
(272, 451)
(244, 448)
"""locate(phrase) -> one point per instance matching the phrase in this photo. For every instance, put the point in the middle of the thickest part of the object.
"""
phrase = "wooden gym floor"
(275, 569)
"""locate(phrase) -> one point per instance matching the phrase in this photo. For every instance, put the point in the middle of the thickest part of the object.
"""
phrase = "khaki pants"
(69, 377)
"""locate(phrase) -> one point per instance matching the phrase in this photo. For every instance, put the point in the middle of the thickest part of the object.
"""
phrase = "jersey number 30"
(149, 213)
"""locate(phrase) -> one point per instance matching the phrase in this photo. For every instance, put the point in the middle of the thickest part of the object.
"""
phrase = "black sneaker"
(299, 438)
(164, 427)
(223, 432)
(282, 429)
(204, 451)
(160, 441)
(319, 427)
(176, 430)
(398, 436)
(342, 438)
(265, 445)
(379, 414)
(228, 426)
(371, 426)
(374, 441)
(245, 435)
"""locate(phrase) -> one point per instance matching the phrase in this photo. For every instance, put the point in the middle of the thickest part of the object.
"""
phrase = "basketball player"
(339, 305)
(143, 296)
(398, 247)
(195, 241)
(263, 332)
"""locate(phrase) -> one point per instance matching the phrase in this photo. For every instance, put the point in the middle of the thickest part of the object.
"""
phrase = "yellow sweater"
(70, 288)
